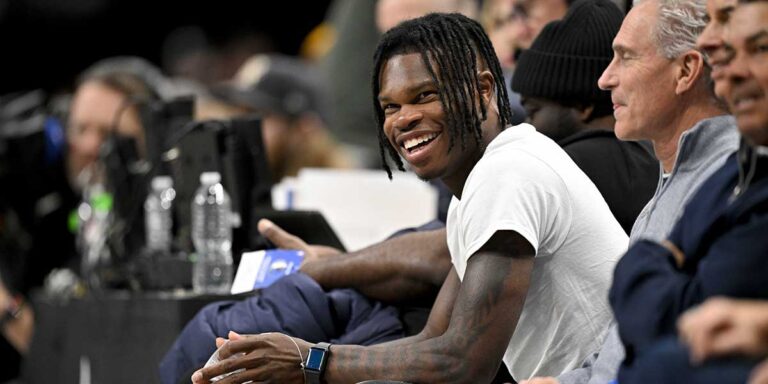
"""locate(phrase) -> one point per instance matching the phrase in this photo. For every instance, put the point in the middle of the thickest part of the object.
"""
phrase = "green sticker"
(102, 202)
(73, 221)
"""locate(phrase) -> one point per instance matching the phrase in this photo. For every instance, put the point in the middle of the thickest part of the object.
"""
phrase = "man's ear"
(690, 69)
(487, 84)
(585, 113)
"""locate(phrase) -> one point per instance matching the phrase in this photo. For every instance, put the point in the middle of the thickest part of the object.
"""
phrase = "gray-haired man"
(662, 92)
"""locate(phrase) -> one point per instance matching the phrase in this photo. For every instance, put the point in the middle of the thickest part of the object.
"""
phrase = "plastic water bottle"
(95, 218)
(212, 236)
(158, 214)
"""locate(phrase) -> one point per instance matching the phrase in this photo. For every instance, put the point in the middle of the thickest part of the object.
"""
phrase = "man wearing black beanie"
(557, 78)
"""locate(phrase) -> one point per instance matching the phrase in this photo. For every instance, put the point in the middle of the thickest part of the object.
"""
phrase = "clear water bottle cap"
(210, 178)
(162, 182)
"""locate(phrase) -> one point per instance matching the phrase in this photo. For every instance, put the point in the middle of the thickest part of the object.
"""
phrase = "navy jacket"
(723, 237)
(295, 305)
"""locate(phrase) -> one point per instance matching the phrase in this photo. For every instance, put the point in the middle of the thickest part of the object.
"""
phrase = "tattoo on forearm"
(442, 359)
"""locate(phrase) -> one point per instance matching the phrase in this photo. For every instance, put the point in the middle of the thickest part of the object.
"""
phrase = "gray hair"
(679, 24)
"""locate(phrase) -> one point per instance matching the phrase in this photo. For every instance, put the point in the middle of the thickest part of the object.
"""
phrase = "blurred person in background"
(290, 97)
(521, 21)
(498, 17)
(529, 18)
(37, 216)
(512, 26)
(390, 13)
(107, 161)
(105, 100)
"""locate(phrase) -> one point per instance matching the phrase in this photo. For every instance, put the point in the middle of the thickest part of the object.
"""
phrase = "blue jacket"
(722, 234)
(295, 305)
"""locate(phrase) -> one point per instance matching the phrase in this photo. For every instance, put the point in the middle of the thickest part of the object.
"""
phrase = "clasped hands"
(268, 357)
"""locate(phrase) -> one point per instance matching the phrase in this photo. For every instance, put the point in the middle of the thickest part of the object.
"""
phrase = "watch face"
(315, 359)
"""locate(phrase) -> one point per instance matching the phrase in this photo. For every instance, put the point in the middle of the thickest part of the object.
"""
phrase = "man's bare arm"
(439, 316)
(404, 268)
(483, 318)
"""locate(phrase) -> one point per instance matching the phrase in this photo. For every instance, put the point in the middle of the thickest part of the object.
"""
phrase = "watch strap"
(313, 370)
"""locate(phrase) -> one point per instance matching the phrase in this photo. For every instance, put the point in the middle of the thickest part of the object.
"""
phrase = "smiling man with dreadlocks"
(532, 242)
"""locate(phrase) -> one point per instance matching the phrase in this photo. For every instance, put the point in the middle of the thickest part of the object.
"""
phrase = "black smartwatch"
(317, 358)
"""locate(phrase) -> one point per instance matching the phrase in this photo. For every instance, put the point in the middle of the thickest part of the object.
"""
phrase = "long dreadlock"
(452, 43)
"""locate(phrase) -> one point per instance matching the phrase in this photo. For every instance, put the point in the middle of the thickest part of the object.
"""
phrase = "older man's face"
(640, 79)
(746, 71)
(710, 41)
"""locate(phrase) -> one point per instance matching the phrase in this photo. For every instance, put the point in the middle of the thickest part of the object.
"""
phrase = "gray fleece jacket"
(700, 152)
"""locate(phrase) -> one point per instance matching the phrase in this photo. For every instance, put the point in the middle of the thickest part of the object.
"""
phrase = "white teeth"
(743, 101)
(410, 143)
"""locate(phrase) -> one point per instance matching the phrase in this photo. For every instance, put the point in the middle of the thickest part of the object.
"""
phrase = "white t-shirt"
(525, 183)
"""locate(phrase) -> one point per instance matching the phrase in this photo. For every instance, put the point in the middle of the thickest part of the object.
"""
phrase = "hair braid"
(470, 81)
(502, 99)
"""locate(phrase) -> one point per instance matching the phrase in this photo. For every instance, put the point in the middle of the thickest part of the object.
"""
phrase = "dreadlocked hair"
(451, 43)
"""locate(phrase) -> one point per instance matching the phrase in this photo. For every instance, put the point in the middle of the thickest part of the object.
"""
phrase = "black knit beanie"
(569, 55)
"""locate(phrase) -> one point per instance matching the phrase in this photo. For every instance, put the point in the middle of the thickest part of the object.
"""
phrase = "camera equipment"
(234, 148)
(35, 198)
(127, 177)
(183, 149)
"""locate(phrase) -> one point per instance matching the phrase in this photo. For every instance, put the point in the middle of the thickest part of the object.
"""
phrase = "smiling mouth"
(417, 143)
(745, 102)
(745, 97)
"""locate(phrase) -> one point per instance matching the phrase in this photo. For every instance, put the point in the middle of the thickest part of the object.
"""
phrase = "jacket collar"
(705, 142)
